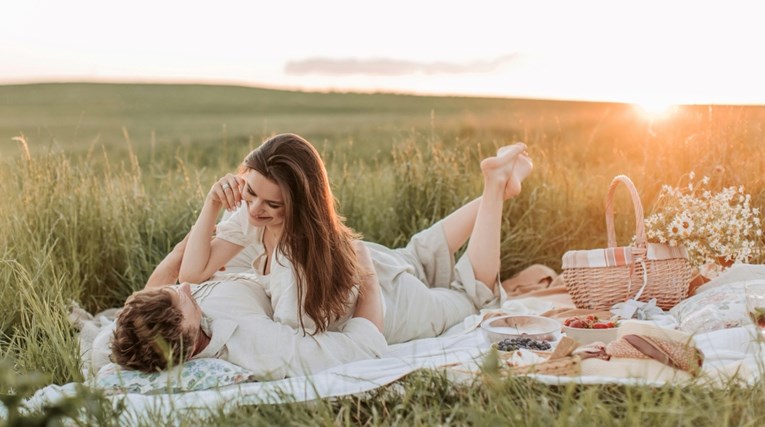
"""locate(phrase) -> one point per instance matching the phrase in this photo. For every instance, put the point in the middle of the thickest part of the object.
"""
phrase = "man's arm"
(166, 272)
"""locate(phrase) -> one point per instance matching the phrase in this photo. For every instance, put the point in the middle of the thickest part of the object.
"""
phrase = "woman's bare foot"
(510, 167)
(521, 170)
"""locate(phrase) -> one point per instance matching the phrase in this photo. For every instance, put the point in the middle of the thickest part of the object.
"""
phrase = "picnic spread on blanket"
(707, 338)
(638, 314)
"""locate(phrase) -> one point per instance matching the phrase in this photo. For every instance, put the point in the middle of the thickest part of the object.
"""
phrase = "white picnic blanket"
(727, 352)
(348, 379)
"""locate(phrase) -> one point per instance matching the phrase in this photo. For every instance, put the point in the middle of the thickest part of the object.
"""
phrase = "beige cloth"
(423, 290)
(539, 281)
(645, 369)
(531, 279)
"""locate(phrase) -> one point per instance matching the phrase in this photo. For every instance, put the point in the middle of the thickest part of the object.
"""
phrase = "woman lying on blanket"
(289, 240)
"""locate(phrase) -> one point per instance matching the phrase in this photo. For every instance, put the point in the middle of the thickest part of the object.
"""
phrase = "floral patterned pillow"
(197, 374)
(717, 308)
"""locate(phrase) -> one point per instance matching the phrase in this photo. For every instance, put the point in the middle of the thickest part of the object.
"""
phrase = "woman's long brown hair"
(314, 239)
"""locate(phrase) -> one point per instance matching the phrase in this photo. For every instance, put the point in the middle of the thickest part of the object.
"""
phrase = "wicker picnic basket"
(599, 278)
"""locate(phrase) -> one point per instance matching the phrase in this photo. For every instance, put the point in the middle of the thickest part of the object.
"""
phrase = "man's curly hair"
(148, 335)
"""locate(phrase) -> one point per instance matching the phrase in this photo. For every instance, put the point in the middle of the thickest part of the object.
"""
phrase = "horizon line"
(286, 88)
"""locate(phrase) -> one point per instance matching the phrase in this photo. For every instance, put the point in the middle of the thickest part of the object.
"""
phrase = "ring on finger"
(226, 185)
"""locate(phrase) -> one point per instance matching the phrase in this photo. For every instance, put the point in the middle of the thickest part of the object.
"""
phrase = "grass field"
(73, 117)
(107, 177)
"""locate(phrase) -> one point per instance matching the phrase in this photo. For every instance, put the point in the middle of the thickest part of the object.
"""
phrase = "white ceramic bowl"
(587, 336)
(537, 327)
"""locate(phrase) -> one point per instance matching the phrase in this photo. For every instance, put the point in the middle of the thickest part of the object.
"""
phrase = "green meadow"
(98, 181)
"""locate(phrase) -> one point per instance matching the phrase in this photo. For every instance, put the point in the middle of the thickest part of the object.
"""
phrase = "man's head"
(156, 328)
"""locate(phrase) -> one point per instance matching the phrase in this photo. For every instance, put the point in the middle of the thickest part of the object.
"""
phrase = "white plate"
(515, 326)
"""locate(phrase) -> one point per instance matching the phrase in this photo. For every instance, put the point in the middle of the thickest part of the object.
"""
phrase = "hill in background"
(77, 116)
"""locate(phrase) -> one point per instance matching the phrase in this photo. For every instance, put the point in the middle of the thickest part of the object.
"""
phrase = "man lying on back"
(165, 325)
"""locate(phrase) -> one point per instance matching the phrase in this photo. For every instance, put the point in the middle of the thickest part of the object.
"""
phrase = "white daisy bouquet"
(716, 228)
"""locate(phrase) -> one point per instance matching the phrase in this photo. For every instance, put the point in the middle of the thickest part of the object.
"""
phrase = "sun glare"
(655, 110)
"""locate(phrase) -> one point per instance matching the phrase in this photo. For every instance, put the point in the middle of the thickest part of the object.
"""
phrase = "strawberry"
(600, 326)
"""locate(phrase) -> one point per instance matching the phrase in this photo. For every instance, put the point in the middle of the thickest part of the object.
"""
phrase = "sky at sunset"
(652, 52)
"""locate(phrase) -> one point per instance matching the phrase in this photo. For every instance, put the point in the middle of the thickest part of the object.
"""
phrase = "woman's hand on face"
(227, 192)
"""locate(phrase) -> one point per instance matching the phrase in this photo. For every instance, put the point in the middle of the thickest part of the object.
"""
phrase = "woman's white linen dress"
(424, 292)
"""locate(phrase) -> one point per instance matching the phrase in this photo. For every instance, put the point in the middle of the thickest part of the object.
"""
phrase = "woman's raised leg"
(427, 302)
(458, 226)
(502, 179)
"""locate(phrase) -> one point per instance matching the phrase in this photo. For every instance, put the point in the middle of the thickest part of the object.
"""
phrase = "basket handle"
(639, 225)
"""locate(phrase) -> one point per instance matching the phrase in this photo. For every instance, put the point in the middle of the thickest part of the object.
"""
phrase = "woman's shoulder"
(235, 227)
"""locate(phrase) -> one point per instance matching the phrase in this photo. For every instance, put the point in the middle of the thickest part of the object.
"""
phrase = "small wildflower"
(686, 227)
(674, 230)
